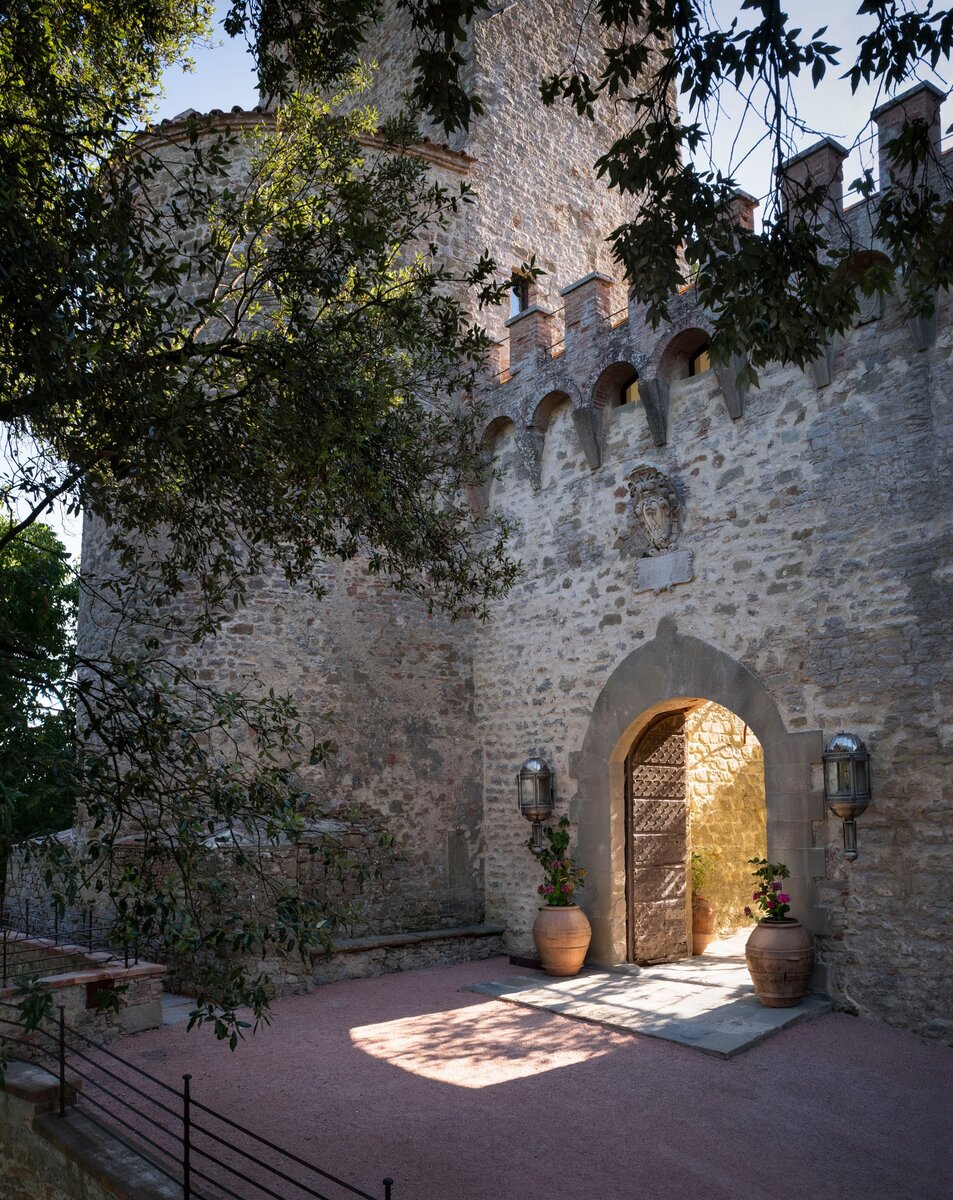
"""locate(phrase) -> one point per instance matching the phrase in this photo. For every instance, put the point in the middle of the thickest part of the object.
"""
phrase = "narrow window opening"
(519, 295)
(629, 392)
(700, 361)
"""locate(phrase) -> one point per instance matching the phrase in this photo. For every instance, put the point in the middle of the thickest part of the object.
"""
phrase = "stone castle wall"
(820, 532)
(388, 685)
(530, 167)
(813, 551)
(724, 769)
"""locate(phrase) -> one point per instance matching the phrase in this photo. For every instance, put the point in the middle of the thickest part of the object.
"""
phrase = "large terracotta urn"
(780, 955)
(562, 935)
(703, 923)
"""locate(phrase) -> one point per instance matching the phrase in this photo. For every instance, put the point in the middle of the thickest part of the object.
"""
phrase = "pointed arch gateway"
(669, 675)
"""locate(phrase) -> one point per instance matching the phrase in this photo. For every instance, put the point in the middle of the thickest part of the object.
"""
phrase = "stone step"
(719, 1016)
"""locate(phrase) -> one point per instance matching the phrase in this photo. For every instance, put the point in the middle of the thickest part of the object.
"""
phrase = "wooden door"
(657, 825)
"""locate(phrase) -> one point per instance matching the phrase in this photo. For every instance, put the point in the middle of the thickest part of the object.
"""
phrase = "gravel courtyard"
(461, 1097)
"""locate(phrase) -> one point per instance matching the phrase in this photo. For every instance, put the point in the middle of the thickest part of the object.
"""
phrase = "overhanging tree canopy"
(777, 294)
(240, 367)
(237, 350)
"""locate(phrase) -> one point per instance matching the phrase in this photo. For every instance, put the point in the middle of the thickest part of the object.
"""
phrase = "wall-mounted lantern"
(847, 783)
(534, 786)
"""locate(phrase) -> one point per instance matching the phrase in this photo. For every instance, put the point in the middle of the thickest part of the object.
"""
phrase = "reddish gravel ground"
(460, 1097)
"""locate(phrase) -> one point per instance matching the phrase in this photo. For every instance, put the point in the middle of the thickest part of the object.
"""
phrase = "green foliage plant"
(701, 866)
(234, 347)
(770, 899)
(562, 877)
(38, 594)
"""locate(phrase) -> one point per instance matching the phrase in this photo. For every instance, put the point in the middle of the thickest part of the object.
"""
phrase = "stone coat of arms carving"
(655, 502)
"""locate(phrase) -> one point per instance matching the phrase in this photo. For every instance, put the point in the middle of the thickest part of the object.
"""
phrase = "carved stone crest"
(656, 505)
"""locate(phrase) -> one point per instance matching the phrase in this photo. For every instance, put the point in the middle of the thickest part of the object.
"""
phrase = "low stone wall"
(47, 1157)
(76, 989)
(356, 958)
(28, 957)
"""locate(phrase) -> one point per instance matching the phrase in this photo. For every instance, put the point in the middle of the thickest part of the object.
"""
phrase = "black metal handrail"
(83, 934)
(175, 1136)
(79, 928)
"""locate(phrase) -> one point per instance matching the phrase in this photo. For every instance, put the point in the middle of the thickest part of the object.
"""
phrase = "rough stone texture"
(545, 202)
(35, 956)
(408, 954)
(389, 685)
(725, 774)
(821, 531)
(816, 511)
(74, 982)
(48, 1157)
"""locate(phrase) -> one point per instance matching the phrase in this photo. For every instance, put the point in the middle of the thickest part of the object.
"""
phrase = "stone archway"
(670, 672)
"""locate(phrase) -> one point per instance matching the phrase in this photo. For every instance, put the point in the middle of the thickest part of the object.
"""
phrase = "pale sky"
(224, 76)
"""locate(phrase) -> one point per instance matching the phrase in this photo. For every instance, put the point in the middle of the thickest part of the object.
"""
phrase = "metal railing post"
(186, 1138)
(388, 1184)
(62, 1055)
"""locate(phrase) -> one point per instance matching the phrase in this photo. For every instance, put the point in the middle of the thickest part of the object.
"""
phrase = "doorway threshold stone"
(705, 1003)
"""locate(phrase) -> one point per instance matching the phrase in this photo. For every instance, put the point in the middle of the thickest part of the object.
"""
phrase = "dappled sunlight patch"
(477, 1046)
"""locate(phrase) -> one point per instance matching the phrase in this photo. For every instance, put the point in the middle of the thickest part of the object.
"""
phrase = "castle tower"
(530, 166)
(397, 683)
(801, 585)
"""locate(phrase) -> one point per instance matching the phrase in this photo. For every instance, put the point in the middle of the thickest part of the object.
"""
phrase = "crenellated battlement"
(598, 342)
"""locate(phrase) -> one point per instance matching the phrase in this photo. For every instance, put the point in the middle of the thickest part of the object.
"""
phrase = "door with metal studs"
(656, 842)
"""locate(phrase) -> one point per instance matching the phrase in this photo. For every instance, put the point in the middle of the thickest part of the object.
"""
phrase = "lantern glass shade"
(535, 786)
(838, 778)
(846, 775)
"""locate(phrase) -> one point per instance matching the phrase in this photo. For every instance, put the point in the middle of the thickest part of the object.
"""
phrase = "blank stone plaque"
(663, 571)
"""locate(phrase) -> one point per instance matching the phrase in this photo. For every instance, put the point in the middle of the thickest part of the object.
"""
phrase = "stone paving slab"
(708, 1004)
(176, 1008)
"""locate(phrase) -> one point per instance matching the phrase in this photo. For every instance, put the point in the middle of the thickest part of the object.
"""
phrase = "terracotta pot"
(780, 955)
(703, 923)
(562, 939)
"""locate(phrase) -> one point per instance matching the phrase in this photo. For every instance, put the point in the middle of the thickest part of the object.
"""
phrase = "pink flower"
(548, 888)
(748, 912)
(776, 885)
(755, 895)
(541, 890)
(567, 887)
(783, 899)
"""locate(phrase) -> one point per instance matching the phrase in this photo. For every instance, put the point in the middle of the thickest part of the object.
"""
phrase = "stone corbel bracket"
(590, 429)
(734, 396)
(923, 329)
(822, 368)
(654, 396)
(529, 446)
